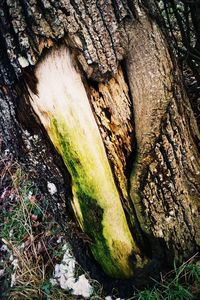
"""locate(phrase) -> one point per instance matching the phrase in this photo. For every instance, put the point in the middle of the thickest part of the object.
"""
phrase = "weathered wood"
(113, 112)
(27, 28)
(64, 109)
(165, 177)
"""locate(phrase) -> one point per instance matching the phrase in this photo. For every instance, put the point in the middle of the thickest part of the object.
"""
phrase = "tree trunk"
(165, 177)
(124, 129)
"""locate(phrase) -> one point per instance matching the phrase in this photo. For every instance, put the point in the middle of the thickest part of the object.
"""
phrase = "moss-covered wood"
(63, 108)
(165, 171)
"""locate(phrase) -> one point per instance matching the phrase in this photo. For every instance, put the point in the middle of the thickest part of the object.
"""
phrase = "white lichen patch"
(65, 276)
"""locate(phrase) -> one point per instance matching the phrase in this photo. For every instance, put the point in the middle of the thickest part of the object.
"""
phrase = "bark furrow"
(95, 30)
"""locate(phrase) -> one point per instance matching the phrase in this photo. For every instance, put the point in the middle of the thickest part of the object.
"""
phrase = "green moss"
(93, 216)
(65, 112)
(96, 201)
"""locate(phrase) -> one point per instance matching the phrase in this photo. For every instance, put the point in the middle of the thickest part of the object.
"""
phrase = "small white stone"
(171, 213)
(66, 283)
(51, 188)
(11, 257)
(4, 248)
(53, 281)
(1, 272)
(108, 298)
(13, 280)
(23, 61)
(64, 275)
(59, 240)
(15, 263)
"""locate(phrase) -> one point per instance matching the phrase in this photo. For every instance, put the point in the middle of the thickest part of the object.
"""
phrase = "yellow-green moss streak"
(63, 108)
(96, 200)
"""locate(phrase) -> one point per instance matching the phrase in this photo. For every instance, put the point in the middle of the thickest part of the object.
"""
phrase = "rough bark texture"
(94, 28)
(195, 13)
(165, 178)
(29, 27)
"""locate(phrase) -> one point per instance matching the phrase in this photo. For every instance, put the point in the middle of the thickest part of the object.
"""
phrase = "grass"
(182, 283)
(30, 234)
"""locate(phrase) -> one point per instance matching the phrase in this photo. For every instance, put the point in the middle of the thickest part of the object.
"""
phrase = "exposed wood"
(27, 28)
(113, 112)
(64, 109)
(165, 178)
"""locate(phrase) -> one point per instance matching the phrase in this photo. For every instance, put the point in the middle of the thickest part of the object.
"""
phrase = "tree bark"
(165, 177)
(140, 101)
